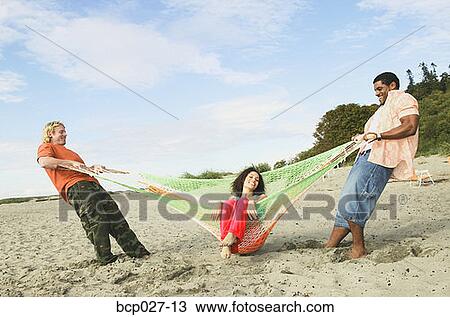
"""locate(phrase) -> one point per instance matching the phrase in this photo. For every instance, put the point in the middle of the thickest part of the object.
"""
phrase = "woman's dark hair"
(238, 183)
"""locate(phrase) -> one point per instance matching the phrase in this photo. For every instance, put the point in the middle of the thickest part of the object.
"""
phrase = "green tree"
(434, 108)
(410, 78)
(444, 82)
(188, 175)
(429, 83)
(340, 124)
(434, 127)
(206, 175)
(337, 126)
(279, 164)
(263, 167)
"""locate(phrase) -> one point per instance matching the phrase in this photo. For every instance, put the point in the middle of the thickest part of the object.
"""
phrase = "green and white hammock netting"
(284, 186)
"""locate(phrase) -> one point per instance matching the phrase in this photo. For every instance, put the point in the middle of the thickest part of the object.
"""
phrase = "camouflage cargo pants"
(100, 217)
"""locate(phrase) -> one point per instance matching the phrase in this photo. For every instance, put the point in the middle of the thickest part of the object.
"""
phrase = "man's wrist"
(379, 136)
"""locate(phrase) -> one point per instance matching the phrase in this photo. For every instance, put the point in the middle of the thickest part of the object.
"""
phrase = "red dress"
(233, 218)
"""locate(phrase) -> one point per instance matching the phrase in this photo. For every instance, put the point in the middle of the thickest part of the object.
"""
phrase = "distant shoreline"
(19, 200)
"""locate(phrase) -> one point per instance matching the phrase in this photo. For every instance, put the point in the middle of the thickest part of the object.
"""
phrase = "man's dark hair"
(238, 183)
(388, 78)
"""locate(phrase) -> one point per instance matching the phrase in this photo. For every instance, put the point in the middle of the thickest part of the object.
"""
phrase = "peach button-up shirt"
(397, 154)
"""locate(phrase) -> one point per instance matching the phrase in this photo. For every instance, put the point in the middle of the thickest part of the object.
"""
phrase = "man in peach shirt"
(390, 143)
(99, 214)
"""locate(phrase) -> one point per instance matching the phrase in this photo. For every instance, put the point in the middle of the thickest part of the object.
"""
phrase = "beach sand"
(408, 256)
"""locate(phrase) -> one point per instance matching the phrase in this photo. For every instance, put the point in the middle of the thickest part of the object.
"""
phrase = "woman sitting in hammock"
(247, 189)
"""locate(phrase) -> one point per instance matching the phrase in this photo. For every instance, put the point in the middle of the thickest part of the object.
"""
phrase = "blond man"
(98, 212)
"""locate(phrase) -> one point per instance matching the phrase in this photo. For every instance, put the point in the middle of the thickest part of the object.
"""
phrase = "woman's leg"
(226, 252)
(237, 220)
(225, 217)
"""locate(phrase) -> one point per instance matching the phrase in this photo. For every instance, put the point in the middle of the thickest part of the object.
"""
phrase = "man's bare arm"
(408, 127)
(54, 163)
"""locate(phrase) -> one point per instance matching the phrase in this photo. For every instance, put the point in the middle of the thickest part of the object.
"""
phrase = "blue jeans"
(364, 185)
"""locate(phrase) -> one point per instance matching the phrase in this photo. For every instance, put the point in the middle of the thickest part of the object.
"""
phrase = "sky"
(171, 86)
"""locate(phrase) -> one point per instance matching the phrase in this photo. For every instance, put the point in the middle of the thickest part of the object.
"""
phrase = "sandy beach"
(408, 256)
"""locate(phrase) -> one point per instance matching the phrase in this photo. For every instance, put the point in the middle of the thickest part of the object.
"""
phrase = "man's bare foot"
(358, 246)
(229, 239)
(225, 253)
(337, 235)
(356, 253)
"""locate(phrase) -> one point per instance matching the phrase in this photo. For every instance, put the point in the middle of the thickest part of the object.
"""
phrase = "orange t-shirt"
(61, 178)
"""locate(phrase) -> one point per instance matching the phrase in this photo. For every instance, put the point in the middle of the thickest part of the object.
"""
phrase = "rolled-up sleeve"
(408, 105)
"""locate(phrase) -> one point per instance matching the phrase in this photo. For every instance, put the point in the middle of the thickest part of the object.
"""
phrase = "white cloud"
(25, 181)
(438, 8)
(14, 14)
(246, 116)
(208, 136)
(356, 32)
(135, 53)
(234, 23)
(434, 14)
(249, 117)
(8, 35)
(17, 154)
(20, 175)
(10, 84)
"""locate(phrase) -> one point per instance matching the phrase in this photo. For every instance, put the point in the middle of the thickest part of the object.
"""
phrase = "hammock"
(284, 186)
